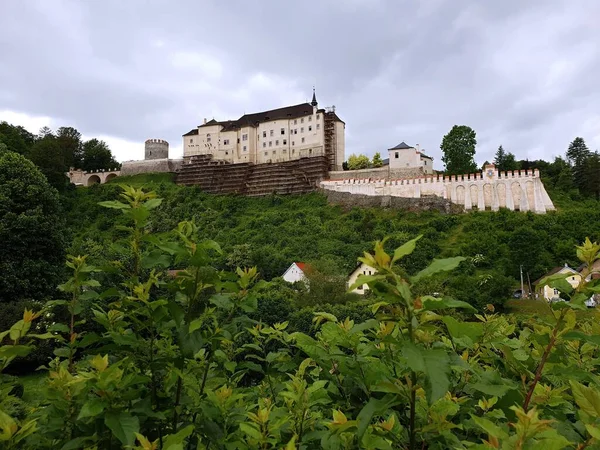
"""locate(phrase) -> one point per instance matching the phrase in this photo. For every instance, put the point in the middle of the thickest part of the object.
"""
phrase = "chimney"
(205, 121)
(418, 148)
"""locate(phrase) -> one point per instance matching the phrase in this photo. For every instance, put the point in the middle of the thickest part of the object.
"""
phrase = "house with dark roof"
(403, 156)
(276, 135)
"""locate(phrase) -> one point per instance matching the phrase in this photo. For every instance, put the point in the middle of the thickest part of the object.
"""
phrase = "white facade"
(404, 156)
(573, 278)
(271, 136)
(521, 190)
(363, 269)
(295, 273)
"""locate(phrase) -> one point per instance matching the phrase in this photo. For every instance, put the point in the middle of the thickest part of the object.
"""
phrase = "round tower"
(156, 149)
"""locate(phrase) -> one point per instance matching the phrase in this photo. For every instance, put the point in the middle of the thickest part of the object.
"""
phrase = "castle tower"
(156, 149)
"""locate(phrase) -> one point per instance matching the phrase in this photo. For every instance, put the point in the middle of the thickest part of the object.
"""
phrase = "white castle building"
(278, 135)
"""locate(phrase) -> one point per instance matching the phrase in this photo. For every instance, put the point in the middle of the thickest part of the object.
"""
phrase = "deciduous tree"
(458, 148)
(377, 161)
(358, 162)
(97, 156)
(32, 231)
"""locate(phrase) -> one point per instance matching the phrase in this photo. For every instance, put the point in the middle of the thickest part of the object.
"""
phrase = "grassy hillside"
(271, 232)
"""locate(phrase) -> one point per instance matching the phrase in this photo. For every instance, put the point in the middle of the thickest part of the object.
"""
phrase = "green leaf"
(405, 249)
(434, 364)
(13, 351)
(7, 425)
(438, 265)
(195, 325)
(114, 204)
(91, 408)
(77, 443)
(153, 203)
(587, 398)
(593, 430)
(579, 336)
(250, 431)
(432, 304)
(489, 427)
(437, 367)
(123, 426)
(222, 301)
(175, 441)
(458, 330)
(374, 407)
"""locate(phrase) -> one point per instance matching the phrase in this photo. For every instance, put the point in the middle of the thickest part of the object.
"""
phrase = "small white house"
(295, 273)
(403, 156)
(572, 276)
(363, 269)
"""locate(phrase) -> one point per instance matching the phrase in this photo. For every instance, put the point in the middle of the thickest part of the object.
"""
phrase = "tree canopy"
(458, 149)
(32, 234)
(358, 162)
(505, 161)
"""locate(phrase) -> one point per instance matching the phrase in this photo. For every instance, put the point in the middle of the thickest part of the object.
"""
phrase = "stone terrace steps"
(290, 177)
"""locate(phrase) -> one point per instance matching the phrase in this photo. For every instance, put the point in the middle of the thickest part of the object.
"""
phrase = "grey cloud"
(522, 74)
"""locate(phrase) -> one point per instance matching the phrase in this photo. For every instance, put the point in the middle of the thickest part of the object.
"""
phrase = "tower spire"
(314, 99)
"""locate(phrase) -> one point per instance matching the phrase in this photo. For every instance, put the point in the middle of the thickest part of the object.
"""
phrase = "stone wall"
(428, 203)
(150, 166)
(376, 173)
(518, 190)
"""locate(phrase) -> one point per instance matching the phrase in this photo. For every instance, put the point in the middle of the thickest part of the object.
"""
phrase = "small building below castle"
(277, 135)
(403, 156)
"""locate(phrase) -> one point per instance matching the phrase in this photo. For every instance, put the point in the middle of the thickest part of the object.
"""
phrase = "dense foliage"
(54, 153)
(177, 361)
(32, 241)
(458, 150)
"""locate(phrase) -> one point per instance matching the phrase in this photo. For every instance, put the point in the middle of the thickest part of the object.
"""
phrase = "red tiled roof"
(300, 265)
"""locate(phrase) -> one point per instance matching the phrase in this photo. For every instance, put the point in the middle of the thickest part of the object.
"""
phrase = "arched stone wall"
(93, 179)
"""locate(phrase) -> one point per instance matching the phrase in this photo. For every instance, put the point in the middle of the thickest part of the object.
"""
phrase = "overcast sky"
(524, 74)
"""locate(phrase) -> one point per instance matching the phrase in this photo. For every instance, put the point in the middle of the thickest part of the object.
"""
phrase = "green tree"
(377, 161)
(591, 175)
(358, 162)
(70, 143)
(578, 154)
(458, 148)
(46, 153)
(32, 231)
(96, 155)
(505, 161)
(17, 139)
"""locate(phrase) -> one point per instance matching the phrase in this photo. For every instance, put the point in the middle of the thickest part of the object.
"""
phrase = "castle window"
(225, 141)
(277, 142)
(264, 134)
(302, 130)
(207, 138)
(293, 151)
(284, 150)
(295, 121)
(274, 152)
(293, 142)
(238, 140)
(227, 153)
(270, 143)
(271, 133)
(310, 150)
(303, 140)
(244, 137)
(283, 131)
(266, 153)
(396, 155)
(310, 128)
(318, 126)
(264, 144)
(310, 118)
(425, 161)
(191, 140)
(317, 116)
(295, 130)
(285, 142)
(302, 120)
(244, 148)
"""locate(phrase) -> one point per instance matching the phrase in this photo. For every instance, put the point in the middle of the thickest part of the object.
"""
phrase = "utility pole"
(522, 286)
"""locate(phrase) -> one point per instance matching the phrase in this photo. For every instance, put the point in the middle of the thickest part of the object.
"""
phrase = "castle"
(274, 136)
